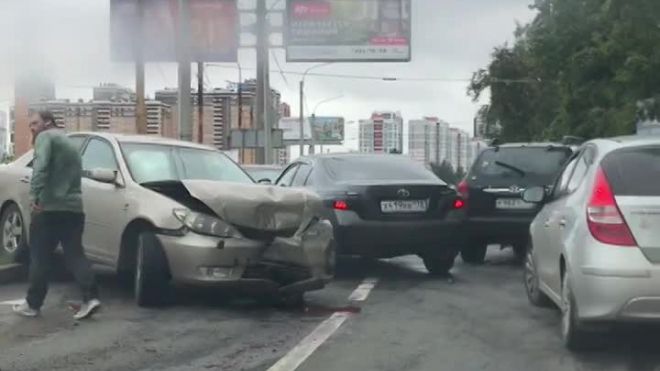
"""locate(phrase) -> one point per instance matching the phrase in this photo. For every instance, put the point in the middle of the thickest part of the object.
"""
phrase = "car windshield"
(634, 171)
(155, 162)
(376, 168)
(537, 163)
(258, 174)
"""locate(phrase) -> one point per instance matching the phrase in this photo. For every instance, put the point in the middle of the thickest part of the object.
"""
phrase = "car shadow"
(636, 346)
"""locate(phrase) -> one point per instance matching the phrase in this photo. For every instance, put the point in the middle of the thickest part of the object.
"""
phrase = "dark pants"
(47, 230)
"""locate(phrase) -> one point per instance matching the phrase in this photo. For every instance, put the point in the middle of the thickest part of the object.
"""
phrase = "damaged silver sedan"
(165, 212)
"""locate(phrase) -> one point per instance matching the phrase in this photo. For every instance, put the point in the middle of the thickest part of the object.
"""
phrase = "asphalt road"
(408, 321)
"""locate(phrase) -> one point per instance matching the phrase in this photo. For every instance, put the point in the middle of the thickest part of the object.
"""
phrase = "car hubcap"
(566, 308)
(12, 232)
(530, 274)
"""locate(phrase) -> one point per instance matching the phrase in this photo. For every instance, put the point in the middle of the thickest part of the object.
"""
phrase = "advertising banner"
(328, 129)
(214, 25)
(348, 31)
(291, 128)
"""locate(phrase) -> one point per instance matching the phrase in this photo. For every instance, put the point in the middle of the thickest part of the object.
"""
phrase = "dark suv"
(493, 188)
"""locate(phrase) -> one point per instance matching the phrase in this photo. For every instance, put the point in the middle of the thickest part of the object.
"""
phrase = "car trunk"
(634, 175)
(399, 200)
(499, 177)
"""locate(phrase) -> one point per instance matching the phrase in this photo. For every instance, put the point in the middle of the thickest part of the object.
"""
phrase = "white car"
(594, 249)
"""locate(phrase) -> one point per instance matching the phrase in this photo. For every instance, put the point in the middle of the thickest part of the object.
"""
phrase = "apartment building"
(382, 133)
(428, 140)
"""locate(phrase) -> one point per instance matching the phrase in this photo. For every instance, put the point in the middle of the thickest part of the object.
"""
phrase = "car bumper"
(606, 294)
(498, 229)
(304, 262)
(383, 239)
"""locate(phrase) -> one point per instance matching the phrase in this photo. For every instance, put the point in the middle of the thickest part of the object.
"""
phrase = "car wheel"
(151, 272)
(13, 233)
(520, 251)
(438, 265)
(534, 293)
(575, 337)
(474, 253)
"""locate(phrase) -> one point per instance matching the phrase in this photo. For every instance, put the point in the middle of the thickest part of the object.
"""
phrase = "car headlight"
(205, 224)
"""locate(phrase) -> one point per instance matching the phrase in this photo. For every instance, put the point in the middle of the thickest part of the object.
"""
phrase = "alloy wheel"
(12, 233)
(566, 308)
(138, 269)
(530, 274)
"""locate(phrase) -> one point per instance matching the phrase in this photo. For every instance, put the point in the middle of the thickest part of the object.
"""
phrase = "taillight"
(459, 203)
(463, 188)
(605, 221)
(340, 205)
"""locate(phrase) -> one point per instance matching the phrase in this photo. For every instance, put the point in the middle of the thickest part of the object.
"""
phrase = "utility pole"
(184, 51)
(140, 104)
(262, 58)
(302, 117)
(200, 101)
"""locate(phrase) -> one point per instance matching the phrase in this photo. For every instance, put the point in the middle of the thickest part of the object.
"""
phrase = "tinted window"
(634, 171)
(379, 167)
(99, 155)
(287, 177)
(539, 165)
(301, 176)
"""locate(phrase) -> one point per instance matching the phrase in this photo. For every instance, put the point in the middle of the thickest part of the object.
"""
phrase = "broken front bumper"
(303, 262)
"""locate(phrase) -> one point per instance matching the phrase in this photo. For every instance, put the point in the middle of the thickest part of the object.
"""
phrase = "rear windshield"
(538, 165)
(381, 167)
(634, 171)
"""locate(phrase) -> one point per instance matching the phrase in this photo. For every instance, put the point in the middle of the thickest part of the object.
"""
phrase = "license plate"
(513, 204)
(412, 206)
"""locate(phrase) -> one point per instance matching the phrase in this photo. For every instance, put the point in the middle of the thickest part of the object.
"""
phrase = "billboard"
(328, 129)
(348, 31)
(291, 128)
(214, 26)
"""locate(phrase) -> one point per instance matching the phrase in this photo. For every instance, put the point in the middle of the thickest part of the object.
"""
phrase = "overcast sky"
(451, 39)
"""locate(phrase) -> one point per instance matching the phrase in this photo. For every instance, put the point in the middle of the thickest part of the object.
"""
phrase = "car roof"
(354, 155)
(262, 167)
(531, 144)
(145, 139)
(636, 140)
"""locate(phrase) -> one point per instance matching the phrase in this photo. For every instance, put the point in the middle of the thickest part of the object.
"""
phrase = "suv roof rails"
(572, 140)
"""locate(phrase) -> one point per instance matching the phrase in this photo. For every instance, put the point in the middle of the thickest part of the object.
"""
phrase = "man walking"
(57, 216)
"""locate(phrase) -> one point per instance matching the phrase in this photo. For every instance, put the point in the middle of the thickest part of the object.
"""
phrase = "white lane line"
(12, 302)
(296, 356)
(362, 291)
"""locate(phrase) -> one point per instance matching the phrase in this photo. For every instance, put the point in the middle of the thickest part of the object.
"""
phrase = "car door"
(286, 179)
(562, 219)
(105, 204)
(541, 233)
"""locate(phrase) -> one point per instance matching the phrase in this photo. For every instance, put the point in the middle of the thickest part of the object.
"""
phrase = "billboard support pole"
(184, 57)
(140, 104)
(262, 55)
(302, 117)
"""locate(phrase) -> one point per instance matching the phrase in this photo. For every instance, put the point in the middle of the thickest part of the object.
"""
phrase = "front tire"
(151, 272)
(475, 253)
(531, 279)
(12, 234)
(438, 265)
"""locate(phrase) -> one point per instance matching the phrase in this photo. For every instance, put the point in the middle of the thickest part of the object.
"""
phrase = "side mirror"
(534, 195)
(265, 181)
(103, 175)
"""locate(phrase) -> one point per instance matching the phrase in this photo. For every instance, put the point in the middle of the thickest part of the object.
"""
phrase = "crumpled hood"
(265, 208)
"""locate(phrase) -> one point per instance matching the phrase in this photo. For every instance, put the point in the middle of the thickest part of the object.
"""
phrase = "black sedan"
(383, 206)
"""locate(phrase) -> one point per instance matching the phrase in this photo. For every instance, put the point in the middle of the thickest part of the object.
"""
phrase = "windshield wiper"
(511, 167)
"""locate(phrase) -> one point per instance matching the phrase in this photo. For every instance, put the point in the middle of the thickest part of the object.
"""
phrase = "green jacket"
(56, 173)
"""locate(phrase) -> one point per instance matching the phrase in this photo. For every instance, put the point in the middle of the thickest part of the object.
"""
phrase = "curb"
(12, 273)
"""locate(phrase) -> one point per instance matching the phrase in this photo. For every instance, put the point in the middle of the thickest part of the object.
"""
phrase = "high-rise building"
(382, 133)
(477, 146)
(458, 148)
(427, 140)
(4, 134)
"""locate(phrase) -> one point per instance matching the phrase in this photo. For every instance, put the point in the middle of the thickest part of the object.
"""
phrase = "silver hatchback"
(594, 249)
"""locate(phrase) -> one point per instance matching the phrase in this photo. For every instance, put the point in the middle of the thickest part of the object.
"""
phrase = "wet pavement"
(406, 321)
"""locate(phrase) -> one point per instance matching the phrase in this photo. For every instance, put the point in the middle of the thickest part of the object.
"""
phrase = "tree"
(579, 68)
(460, 174)
(444, 171)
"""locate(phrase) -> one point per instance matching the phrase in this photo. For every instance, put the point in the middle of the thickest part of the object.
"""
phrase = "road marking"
(12, 302)
(296, 356)
(362, 291)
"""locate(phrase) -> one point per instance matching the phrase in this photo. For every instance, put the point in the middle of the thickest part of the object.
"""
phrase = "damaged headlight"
(206, 224)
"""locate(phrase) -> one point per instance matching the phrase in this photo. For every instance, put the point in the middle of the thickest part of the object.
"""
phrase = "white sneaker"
(88, 309)
(24, 310)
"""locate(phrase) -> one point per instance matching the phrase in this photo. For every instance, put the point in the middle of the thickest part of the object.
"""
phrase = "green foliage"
(579, 68)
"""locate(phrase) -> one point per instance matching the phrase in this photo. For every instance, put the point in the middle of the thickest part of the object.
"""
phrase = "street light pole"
(302, 106)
